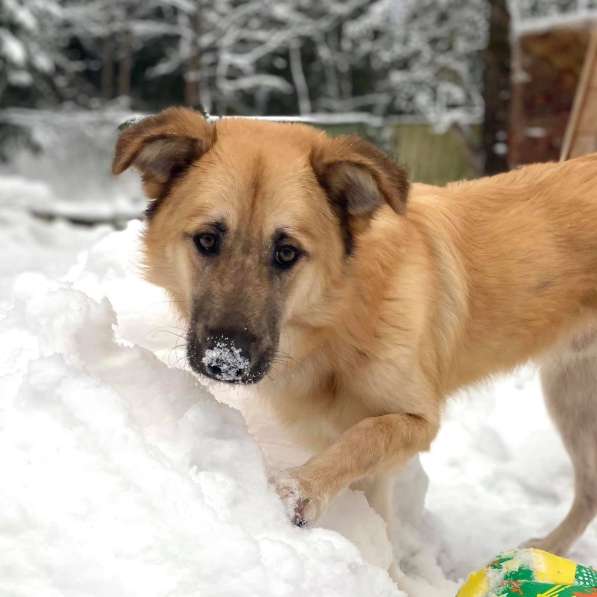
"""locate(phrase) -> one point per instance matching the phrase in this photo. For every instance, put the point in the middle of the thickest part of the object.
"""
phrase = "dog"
(358, 303)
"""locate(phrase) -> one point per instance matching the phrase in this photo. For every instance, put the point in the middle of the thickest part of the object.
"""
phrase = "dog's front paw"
(302, 503)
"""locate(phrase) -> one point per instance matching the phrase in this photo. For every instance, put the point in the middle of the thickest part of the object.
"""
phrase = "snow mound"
(121, 476)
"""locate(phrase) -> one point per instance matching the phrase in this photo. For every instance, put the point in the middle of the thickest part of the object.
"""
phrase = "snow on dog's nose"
(226, 362)
(226, 356)
(230, 355)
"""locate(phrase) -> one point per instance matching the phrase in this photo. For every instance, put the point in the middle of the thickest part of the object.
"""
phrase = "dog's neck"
(404, 268)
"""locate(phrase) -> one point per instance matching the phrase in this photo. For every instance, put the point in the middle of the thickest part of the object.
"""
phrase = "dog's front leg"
(367, 448)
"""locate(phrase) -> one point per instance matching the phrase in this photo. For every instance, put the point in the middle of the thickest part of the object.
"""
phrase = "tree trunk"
(191, 91)
(107, 81)
(298, 77)
(205, 97)
(517, 128)
(125, 63)
(497, 89)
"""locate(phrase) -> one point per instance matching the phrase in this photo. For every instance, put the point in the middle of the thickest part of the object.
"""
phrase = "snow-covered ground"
(69, 173)
(122, 475)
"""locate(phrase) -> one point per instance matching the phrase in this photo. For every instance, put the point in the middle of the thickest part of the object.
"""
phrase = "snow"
(12, 48)
(70, 174)
(123, 475)
(538, 16)
(227, 360)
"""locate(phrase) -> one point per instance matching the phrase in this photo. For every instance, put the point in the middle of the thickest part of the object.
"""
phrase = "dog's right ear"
(162, 147)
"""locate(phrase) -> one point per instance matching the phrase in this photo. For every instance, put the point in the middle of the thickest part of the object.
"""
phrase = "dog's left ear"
(358, 177)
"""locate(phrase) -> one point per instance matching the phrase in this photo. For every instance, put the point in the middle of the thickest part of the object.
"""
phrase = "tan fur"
(470, 280)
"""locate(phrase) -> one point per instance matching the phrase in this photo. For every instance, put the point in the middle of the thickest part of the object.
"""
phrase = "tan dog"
(298, 264)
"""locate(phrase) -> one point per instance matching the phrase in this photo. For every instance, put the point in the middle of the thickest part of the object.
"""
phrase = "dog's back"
(527, 246)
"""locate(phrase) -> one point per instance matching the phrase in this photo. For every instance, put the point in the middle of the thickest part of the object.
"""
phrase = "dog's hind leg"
(570, 387)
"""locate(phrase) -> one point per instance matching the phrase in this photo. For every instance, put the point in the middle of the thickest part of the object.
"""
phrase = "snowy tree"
(263, 57)
(101, 37)
(228, 52)
(30, 58)
(426, 57)
(415, 58)
(190, 33)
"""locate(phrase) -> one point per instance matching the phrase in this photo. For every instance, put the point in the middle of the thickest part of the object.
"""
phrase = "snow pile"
(28, 244)
(121, 475)
(124, 477)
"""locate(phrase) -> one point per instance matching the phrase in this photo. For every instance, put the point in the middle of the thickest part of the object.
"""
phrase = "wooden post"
(581, 132)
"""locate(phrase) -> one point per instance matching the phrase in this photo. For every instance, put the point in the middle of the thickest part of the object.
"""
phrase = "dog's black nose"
(227, 354)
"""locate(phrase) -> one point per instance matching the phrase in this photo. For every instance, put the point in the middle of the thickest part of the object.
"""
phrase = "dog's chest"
(316, 402)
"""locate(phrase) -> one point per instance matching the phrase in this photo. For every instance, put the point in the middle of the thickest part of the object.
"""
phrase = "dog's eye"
(285, 256)
(207, 243)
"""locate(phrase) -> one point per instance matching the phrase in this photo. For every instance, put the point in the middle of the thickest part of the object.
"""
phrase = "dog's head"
(251, 226)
